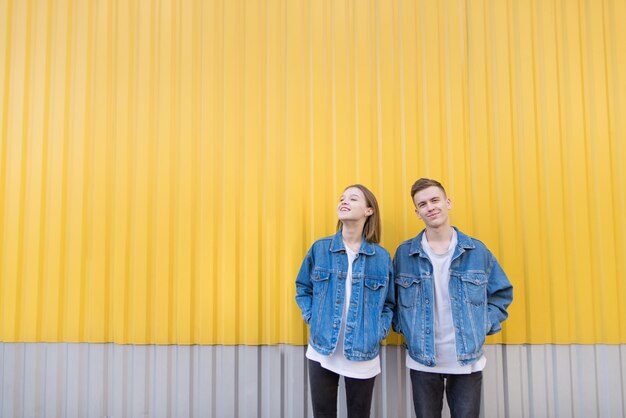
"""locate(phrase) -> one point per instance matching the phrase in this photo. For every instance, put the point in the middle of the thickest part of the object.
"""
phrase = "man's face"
(432, 206)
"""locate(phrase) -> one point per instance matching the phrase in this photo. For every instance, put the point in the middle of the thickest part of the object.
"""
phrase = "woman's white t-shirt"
(337, 362)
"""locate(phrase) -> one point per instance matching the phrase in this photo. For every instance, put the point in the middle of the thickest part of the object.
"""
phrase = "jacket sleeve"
(390, 303)
(499, 296)
(304, 286)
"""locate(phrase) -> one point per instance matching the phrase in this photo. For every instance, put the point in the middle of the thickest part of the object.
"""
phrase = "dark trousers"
(324, 385)
(462, 391)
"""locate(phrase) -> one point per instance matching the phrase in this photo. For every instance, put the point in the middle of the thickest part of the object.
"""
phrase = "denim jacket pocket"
(408, 290)
(475, 288)
(375, 290)
(320, 281)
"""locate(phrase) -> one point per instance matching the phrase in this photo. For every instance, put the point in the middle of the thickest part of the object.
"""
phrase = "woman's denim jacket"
(320, 288)
(479, 294)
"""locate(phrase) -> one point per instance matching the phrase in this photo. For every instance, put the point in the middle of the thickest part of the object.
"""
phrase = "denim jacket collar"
(336, 245)
(463, 242)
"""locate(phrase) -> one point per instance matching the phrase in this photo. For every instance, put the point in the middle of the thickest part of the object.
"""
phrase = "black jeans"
(462, 390)
(324, 385)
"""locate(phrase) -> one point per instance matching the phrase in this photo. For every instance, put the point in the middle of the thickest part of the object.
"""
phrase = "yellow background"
(165, 165)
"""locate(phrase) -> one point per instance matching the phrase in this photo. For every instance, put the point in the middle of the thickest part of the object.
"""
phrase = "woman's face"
(352, 205)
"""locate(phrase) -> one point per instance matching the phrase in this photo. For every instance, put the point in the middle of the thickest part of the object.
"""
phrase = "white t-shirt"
(445, 341)
(337, 362)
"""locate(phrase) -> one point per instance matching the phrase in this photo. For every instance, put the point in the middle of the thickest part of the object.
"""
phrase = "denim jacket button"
(338, 301)
(427, 301)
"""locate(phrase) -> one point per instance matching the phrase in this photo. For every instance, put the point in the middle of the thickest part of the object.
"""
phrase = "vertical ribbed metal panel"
(164, 164)
(73, 380)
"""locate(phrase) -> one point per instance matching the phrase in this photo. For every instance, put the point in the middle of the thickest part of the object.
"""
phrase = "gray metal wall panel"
(94, 380)
(609, 383)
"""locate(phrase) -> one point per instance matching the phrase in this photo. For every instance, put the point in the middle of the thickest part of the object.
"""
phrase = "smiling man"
(451, 293)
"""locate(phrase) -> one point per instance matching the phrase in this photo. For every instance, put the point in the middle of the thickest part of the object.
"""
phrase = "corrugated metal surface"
(81, 380)
(165, 164)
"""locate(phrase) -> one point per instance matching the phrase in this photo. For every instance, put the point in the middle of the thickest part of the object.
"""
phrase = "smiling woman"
(360, 199)
(346, 295)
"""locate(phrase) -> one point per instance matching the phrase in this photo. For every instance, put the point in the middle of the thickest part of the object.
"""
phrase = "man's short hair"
(424, 183)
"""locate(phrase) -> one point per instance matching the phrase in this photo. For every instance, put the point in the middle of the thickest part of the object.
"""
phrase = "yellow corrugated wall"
(164, 165)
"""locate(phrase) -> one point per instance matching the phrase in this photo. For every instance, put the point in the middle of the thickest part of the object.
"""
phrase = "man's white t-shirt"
(445, 341)
(337, 361)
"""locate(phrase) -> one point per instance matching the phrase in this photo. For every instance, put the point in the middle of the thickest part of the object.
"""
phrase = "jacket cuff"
(495, 327)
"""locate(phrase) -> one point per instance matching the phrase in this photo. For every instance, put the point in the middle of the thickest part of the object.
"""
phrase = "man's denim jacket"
(320, 289)
(479, 294)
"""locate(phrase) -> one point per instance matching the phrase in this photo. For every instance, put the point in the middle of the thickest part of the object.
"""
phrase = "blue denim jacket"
(479, 294)
(320, 288)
